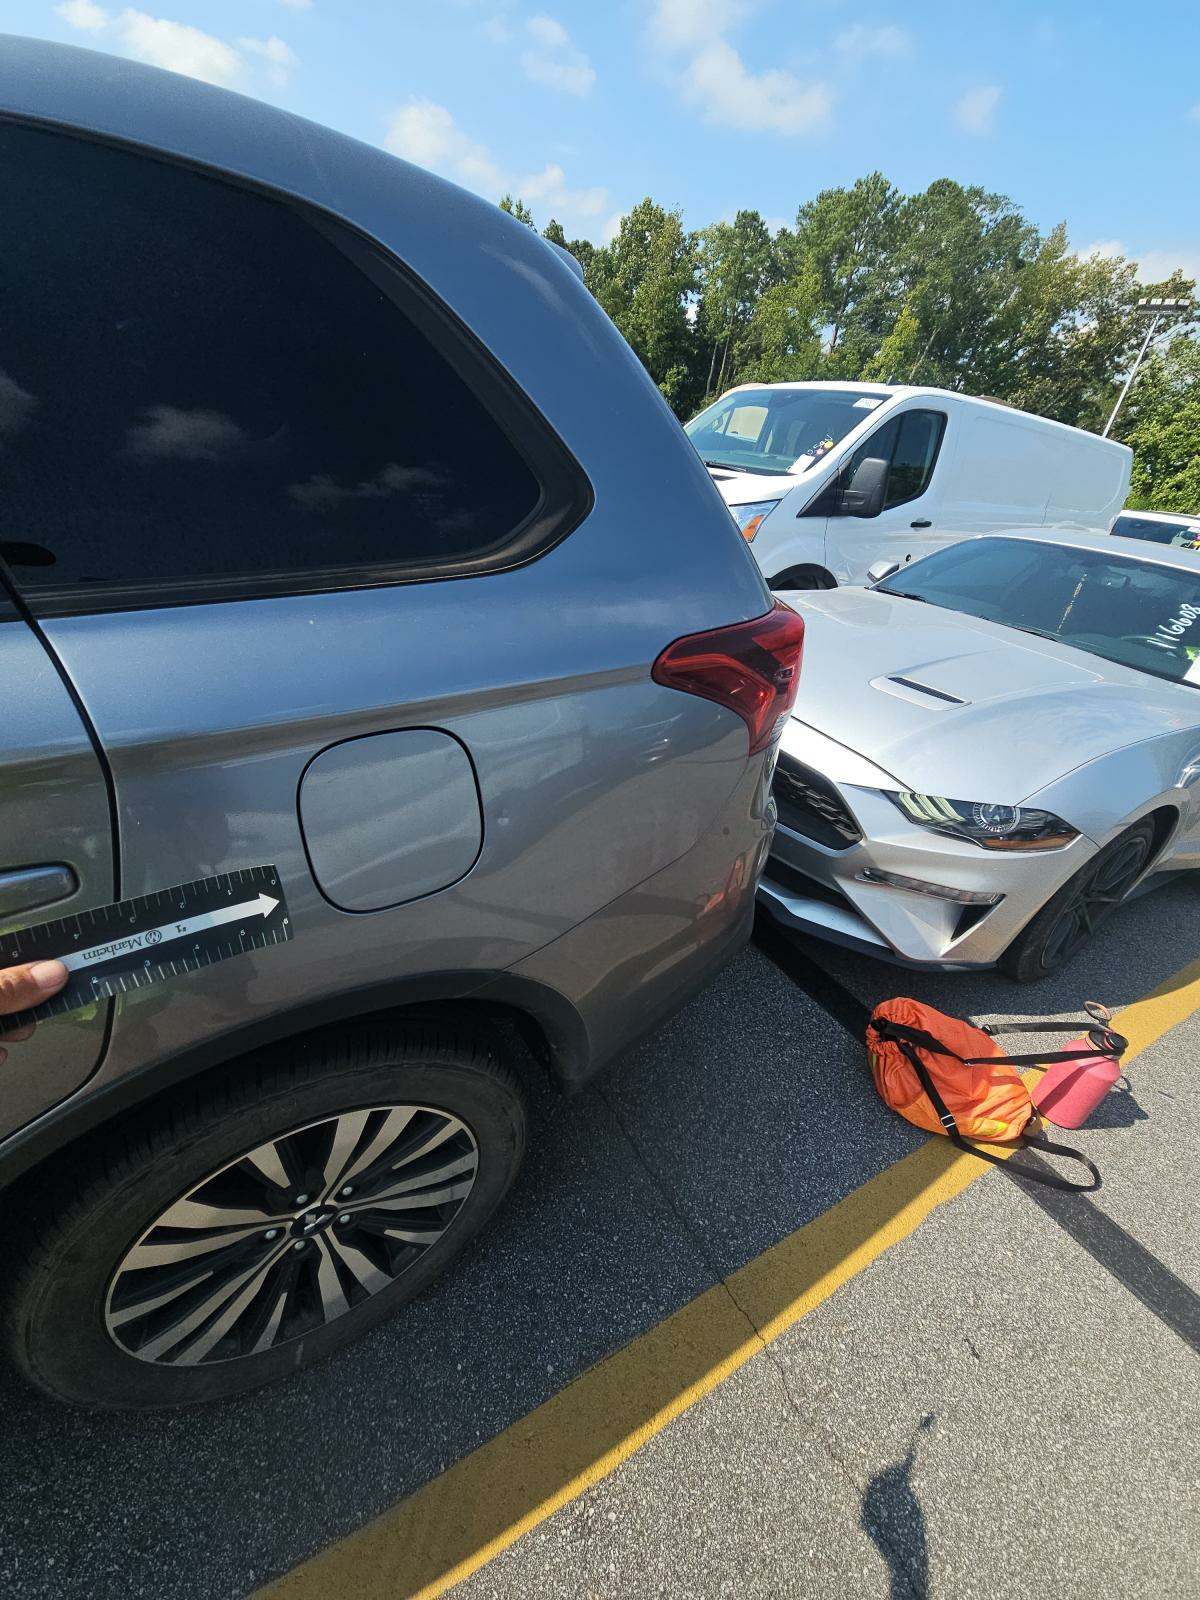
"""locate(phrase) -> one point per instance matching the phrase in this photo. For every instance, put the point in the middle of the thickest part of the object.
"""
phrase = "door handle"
(30, 888)
(921, 522)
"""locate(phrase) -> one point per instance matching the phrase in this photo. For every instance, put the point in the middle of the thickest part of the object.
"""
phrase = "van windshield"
(777, 430)
(1183, 534)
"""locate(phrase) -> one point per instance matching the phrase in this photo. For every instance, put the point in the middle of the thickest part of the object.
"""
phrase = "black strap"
(1106, 1040)
(946, 1118)
(1029, 1027)
(902, 1034)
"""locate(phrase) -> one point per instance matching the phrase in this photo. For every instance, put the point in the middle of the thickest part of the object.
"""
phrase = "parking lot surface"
(740, 1330)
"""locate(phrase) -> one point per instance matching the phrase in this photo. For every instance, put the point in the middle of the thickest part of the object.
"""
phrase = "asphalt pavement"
(1005, 1401)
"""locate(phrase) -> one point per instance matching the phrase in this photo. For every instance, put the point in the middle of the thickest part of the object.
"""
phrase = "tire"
(1069, 918)
(75, 1317)
(803, 578)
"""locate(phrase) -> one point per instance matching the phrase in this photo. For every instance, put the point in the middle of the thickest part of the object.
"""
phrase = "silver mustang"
(991, 749)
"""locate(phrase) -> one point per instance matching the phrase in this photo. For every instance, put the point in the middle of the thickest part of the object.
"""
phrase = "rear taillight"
(751, 667)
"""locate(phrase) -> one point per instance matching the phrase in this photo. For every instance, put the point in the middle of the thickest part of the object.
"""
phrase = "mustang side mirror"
(862, 495)
(879, 570)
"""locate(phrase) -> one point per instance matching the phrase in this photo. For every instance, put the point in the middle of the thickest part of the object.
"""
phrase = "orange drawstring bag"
(948, 1076)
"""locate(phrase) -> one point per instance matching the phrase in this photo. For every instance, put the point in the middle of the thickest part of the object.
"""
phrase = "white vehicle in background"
(826, 479)
(1159, 527)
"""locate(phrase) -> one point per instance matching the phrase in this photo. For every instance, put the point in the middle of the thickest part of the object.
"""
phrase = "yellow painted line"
(463, 1519)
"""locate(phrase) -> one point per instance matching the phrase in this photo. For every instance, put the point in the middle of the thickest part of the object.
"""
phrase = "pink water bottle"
(1071, 1090)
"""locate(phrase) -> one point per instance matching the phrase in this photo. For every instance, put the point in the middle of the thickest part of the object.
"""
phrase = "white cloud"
(612, 227)
(179, 47)
(84, 15)
(549, 188)
(690, 24)
(280, 58)
(1194, 112)
(1153, 265)
(727, 92)
(1107, 249)
(863, 40)
(297, 5)
(553, 60)
(975, 112)
(425, 133)
(497, 30)
(715, 78)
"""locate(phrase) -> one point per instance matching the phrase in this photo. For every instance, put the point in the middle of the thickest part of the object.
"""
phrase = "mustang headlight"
(993, 827)
(750, 518)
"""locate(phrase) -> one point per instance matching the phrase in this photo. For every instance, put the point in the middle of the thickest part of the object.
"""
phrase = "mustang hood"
(974, 710)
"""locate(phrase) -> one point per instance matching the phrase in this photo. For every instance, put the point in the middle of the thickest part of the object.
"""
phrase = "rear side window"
(203, 388)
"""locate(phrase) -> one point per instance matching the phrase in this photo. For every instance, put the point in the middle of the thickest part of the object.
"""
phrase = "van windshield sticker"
(868, 402)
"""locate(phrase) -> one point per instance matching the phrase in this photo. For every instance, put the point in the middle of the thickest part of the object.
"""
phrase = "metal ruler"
(152, 938)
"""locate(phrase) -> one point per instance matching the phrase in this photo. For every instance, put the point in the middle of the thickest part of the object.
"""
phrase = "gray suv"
(353, 569)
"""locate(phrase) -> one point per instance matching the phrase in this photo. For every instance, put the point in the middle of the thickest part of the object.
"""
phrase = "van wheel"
(803, 578)
(262, 1224)
(1069, 918)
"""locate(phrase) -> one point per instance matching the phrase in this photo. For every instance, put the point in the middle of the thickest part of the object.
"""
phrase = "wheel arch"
(1165, 819)
(813, 574)
(549, 1026)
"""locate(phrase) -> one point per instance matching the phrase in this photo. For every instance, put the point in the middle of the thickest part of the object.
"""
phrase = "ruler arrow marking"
(262, 906)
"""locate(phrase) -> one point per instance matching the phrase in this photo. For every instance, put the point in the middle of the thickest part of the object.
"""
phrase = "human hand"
(22, 988)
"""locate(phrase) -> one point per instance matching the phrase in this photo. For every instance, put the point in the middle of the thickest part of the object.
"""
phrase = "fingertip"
(49, 976)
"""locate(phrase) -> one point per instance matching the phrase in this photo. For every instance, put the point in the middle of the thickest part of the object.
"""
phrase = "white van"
(1160, 527)
(826, 479)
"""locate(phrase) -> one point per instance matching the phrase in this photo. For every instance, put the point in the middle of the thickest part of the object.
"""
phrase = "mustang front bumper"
(836, 826)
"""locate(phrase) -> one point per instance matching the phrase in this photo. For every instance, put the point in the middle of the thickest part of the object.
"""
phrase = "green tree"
(782, 341)
(849, 237)
(737, 262)
(517, 208)
(1161, 421)
(582, 249)
(646, 279)
(899, 352)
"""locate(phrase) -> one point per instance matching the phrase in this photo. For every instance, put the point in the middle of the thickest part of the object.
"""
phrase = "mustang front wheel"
(1069, 918)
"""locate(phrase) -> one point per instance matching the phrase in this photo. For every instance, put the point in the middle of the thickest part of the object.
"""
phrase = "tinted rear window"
(196, 382)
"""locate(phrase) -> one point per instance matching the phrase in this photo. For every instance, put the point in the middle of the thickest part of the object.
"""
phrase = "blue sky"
(1088, 114)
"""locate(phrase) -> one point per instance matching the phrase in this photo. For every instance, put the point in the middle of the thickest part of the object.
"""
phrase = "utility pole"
(1156, 308)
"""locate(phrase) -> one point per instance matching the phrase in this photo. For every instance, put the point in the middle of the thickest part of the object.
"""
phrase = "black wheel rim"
(1096, 897)
(291, 1235)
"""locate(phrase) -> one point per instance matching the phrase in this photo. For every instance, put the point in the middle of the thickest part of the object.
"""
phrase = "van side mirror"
(862, 495)
(879, 570)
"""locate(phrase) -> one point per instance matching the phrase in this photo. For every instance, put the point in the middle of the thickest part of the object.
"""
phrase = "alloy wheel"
(1096, 897)
(291, 1235)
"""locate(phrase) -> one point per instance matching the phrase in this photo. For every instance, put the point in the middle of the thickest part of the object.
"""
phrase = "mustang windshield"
(1136, 613)
(777, 430)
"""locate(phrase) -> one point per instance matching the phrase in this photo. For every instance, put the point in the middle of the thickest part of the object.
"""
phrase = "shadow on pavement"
(892, 1518)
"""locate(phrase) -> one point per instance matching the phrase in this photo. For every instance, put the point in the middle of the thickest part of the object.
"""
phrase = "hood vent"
(917, 693)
